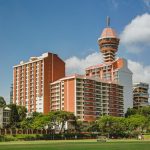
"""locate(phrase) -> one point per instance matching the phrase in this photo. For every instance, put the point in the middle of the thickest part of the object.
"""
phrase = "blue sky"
(69, 28)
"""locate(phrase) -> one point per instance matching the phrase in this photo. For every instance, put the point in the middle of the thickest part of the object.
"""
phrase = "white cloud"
(141, 73)
(74, 64)
(78, 65)
(136, 35)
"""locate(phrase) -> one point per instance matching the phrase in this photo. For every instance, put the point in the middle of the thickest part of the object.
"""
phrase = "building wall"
(115, 72)
(115, 100)
(54, 69)
(63, 95)
(55, 100)
(28, 83)
(69, 95)
(1, 117)
(4, 116)
(31, 81)
(125, 79)
(87, 98)
(140, 95)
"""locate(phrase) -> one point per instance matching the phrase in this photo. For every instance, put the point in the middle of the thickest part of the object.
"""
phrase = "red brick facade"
(31, 81)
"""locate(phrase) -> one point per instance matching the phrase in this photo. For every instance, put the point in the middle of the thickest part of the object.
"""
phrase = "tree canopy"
(49, 121)
(2, 101)
(136, 121)
(18, 114)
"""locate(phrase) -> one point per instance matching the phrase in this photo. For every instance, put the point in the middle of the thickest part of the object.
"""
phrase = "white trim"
(58, 81)
(30, 62)
(43, 82)
(13, 86)
(52, 68)
(85, 77)
(67, 95)
(107, 36)
(75, 98)
(44, 55)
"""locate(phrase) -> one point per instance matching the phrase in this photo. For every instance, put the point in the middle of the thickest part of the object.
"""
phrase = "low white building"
(4, 116)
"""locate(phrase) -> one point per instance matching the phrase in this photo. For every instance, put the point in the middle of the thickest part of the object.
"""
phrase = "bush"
(28, 137)
(8, 138)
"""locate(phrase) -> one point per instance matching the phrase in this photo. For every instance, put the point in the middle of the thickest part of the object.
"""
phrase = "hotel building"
(31, 81)
(112, 69)
(105, 89)
(140, 95)
(86, 97)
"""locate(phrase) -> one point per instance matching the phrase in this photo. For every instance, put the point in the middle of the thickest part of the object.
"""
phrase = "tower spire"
(108, 21)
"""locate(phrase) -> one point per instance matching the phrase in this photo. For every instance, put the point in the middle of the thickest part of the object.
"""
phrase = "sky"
(70, 28)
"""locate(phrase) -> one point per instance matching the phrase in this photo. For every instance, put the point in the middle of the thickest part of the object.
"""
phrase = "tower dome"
(108, 43)
(108, 33)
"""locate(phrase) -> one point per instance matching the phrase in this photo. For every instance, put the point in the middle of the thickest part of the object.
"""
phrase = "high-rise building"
(31, 81)
(113, 69)
(86, 97)
(105, 89)
(140, 94)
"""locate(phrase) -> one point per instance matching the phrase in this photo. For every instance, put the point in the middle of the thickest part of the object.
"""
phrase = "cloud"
(140, 72)
(135, 36)
(147, 3)
(78, 65)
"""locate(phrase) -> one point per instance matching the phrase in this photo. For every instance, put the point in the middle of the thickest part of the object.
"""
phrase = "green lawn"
(76, 145)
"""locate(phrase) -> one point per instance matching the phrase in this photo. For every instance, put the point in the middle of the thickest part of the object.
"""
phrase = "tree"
(137, 122)
(82, 126)
(59, 118)
(2, 101)
(145, 111)
(93, 127)
(18, 114)
(40, 122)
(131, 111)
(27, 123)
(21, 112)
(112, 126)
(105, 124)
(14, 116)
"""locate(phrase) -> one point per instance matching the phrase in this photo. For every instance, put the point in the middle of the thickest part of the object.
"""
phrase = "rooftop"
(34, 59)
(108, 33)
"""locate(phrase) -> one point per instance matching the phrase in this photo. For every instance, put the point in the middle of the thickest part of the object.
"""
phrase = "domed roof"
(7, 108)
(108, 33)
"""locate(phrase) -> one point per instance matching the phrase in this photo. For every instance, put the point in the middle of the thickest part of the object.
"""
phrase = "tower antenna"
(108, 21)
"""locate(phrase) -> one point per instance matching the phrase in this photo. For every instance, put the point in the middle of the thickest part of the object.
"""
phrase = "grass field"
(76, 145)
